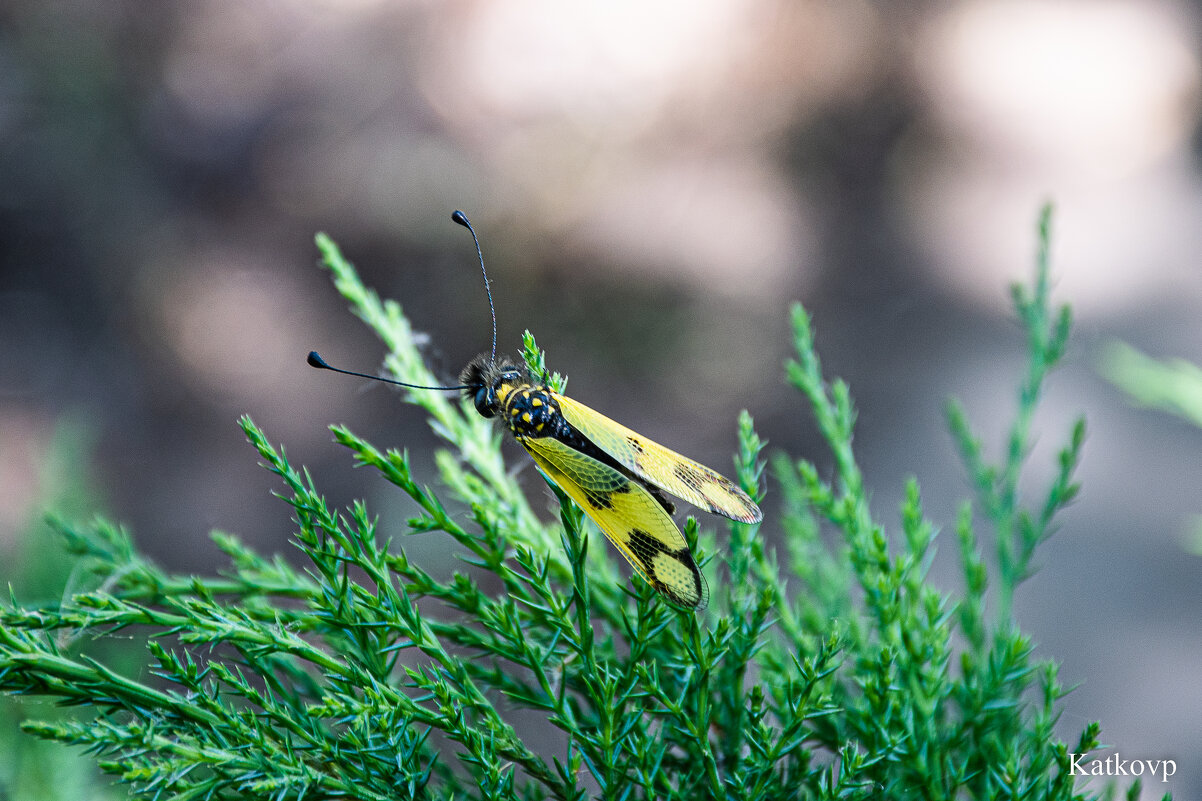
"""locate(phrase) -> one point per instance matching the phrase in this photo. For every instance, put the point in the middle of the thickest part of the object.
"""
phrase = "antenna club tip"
(461, 218)
(315, 360)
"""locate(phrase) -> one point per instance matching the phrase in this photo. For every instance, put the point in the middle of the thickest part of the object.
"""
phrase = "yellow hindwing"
(633, 520)
(665, 468)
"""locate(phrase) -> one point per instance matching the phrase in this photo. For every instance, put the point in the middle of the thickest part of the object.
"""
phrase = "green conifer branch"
(1018, 529)
(359, 674)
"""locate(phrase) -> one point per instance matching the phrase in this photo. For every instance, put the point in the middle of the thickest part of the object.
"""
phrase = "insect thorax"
(530, 411)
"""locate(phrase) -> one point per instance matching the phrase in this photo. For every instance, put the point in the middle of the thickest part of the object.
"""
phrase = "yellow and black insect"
(615, 475)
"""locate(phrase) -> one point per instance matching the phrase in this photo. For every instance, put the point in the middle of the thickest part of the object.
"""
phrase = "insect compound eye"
(486, 402)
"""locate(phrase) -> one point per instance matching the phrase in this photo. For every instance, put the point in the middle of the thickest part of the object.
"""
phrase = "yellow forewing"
(633, 520)
(661, 466)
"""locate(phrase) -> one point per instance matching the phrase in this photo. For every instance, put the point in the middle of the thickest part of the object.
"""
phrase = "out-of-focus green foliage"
(35, 570)
(1172, 385)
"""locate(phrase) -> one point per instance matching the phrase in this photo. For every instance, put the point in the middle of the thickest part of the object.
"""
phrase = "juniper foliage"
(824, 672)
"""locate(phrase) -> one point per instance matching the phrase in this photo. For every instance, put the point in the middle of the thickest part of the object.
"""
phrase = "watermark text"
(1114, 766)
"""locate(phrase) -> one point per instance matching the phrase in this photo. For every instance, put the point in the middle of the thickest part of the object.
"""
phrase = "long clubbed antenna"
(461, 218)
(315, 360)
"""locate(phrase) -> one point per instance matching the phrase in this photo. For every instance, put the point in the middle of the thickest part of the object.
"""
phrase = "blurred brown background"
(653, 184)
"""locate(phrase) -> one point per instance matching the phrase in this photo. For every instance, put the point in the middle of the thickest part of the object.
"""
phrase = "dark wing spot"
(634, 443)
(647, 547)
(643, 543)
(649, 550)
(726, 484)
(599, 500)
(688, 475)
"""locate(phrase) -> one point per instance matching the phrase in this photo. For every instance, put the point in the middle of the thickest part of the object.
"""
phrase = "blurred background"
(653, 183)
